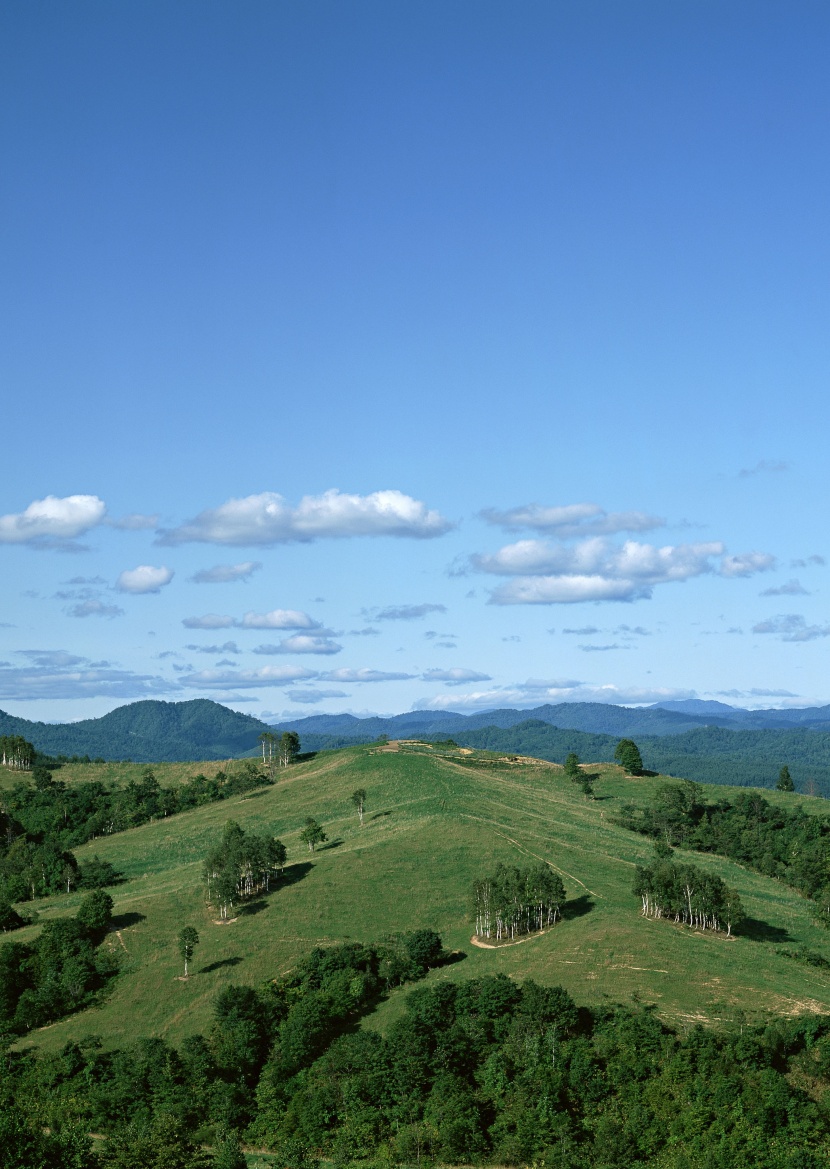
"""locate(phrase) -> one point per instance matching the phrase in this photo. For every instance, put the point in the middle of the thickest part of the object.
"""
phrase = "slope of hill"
(148, 731)
(435, 821)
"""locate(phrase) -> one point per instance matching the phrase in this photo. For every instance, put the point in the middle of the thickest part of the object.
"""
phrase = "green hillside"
(435, 820)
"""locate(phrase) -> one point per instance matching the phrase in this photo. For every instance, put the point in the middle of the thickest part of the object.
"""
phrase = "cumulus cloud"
(208, 621)
(815, 559)
(571, 520)
(597, 569)
(311, 696)
(145, 579)
(56, 674)
(791, 588)
(455, 676)
(363, 675)
(407, 612)
(246, 679)
(226, 573)
(267, 519)
(301, 643)
(53, 522)
(764, 467)
(94, 607)
(791, 627)
(135, 522)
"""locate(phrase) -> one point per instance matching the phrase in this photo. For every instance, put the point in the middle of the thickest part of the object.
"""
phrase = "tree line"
(515, 901)
(16, 753)
(481, 1071)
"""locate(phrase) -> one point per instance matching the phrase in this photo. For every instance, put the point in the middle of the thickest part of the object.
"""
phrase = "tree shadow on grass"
(450, 957)
(251, 908)
(577, 907)
(379, 815)
(122, 921)
(306, 756)
(762, 931)
(331, 844)
(291, 874)
(219, 965)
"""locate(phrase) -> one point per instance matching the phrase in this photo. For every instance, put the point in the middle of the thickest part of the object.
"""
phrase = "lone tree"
(359, 801)
(785, 780)
(312, 834)
(289, 747)
(188, 941)
(572, 767)
(627, 754)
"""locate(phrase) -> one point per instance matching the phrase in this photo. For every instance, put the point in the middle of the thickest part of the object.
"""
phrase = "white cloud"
(791, 588)
(229, 647)
(592, 649)
(747, 564)
(598, 570)
(815, 559)
(407, 612)
(455, 676)
(226, 573)
(94, 607)
(278, 619)
(267, 519)
(311, 696)
(55, 674)
(301, 643)
(573, 519)
(539, 692)
(246, 679)
(363, 675)
(53, 522)
(145, 579)
(791, 627)
(136, 522)
(209, 621)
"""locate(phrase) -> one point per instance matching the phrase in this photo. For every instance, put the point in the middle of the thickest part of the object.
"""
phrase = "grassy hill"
(435, 820)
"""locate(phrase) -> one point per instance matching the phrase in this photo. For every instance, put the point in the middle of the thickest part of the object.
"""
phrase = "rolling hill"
(436, 820)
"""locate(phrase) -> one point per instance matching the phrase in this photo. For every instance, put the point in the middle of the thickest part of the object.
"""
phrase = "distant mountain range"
(705, 741)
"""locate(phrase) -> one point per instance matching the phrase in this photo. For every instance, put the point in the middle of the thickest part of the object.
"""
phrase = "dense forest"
(479, 1071)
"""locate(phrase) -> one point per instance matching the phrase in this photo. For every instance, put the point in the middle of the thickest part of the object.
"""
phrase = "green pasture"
(435, 820)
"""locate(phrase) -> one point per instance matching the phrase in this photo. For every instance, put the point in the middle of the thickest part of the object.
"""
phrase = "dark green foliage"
(572, 767)
(312, 834)
(16, 753)
(58, 973)
(163, 1144)
(627, 754)
(785, 780)
(782, 843)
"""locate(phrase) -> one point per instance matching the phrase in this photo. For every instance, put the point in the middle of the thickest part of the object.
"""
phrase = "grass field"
(434, 821)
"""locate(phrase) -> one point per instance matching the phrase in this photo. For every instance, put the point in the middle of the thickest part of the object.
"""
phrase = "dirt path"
(562, 872)
(476, 941)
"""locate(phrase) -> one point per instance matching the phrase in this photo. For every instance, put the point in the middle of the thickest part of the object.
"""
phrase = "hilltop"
(436, 820)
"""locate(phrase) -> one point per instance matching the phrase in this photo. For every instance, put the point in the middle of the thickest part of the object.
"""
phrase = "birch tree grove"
(16, 753)
(687, 895)
(241, 865)
(515, 901)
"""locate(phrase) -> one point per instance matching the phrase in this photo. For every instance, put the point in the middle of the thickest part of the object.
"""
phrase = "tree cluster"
(16, 753)
(687, 894)
(60, 971)
(484, 1071)
(785, 843)
(515, 901)
(242, 864)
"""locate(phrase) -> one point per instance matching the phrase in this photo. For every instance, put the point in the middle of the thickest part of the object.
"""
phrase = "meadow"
(436, 819)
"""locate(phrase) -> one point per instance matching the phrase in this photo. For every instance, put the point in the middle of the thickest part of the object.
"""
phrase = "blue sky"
(372, 356)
